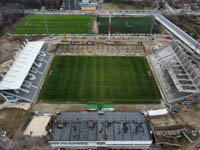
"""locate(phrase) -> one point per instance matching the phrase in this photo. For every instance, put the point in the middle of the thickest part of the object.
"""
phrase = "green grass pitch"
(127, 25)
(57, 24)
(100, 79)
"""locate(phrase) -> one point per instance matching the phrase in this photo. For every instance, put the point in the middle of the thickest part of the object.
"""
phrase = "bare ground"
(10, 44)
(32, 143)
(136, 108)
(52, 108)
(189, 115)
(113, 6)
(38, 126)
(12, 120)
(95, 29)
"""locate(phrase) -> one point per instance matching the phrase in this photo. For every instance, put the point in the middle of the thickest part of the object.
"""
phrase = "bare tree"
(12, 10)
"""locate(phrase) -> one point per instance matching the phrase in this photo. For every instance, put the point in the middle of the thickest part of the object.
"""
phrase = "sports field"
(127, 25)
(100, 79)
(57, 24)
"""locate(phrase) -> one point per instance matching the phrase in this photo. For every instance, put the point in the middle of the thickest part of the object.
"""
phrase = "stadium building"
(22, 76)
(78, 5)
(88, 6)
(91, 130)
(175, 69)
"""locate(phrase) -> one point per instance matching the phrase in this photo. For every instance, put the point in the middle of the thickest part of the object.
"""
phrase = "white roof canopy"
(22, 63)
(158, 112)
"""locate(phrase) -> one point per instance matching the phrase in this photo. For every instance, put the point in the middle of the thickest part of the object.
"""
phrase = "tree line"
(135, 3)
(12, 10)
(189, 23)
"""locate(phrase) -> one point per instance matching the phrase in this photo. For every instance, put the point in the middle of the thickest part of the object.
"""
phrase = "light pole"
(45, 19)
(109, 26)
(151, 30)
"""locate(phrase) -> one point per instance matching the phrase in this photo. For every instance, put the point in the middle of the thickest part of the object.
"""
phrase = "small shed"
(88, 6)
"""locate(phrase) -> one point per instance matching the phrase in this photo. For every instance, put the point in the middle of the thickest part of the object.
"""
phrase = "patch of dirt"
(38, 126)
(10, 44)
(113, 6)
(52, 108)
(24, 106)
(136, 108)
(7, 49)
(2, 101)
(32, 143)
(161, 121)
(12, 120)
(189, 115)
(95, 29)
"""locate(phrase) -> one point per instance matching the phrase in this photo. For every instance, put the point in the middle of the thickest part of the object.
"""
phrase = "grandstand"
(100, 131)
(22, 76)
(179, 80)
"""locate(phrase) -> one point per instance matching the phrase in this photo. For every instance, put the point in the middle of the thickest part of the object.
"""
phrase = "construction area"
(88, 91)
(116, 45)
(178, 76)
(164, 127)
(93, 131)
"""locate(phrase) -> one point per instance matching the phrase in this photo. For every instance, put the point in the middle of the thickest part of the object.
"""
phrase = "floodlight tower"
(69, 4)
(152, 26)
(64, 4)
(109, 27)
(151, 30)
(45, 19)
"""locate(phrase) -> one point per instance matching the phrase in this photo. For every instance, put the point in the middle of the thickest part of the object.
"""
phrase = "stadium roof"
(158, 112)
(94, 127)
(23, 62)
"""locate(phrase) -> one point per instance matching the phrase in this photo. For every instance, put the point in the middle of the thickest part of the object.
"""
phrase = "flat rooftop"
(91, 126)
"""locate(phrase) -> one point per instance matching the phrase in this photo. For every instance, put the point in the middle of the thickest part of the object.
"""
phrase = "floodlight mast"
(45, 19)
(64, 4)
(152, 26)
(109, 27)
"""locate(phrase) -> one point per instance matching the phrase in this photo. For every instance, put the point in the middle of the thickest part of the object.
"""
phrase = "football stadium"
(104, 68)
(95, 77)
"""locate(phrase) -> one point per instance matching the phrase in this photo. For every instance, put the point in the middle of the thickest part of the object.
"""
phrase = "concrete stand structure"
(178, 78)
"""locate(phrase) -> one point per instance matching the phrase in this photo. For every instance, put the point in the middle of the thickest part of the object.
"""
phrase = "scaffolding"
(177, 76)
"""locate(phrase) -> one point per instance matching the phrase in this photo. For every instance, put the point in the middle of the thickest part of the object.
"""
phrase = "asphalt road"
(100, 12)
